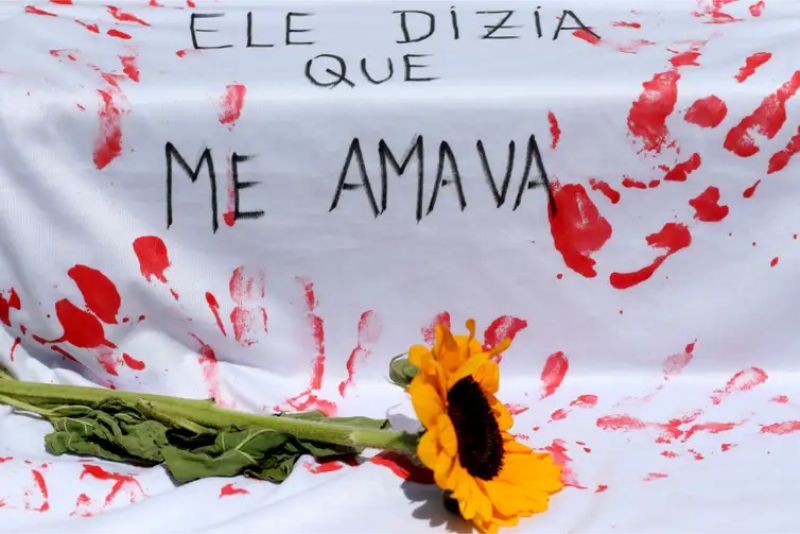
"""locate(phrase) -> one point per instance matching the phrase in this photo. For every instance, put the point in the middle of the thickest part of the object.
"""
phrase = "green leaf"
(114, 431)
(149, 430)
(232, 453)
(401, 372)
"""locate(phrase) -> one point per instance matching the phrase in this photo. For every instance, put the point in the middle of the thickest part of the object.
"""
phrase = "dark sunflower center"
(480, 444)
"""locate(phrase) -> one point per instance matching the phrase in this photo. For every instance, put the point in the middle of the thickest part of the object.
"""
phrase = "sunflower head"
(494, 479)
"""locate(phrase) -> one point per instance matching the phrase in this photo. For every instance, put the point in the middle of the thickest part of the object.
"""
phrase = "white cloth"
(694, 368)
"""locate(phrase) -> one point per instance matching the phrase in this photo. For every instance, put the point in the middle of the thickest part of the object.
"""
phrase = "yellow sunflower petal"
(500, 347)
(446, 349)
(428, 448)
(531, 472)
(426, 400)
(488, 376)
(502, 415)
(444, 470)
(417, 354)
(448, 440)
(511, 445)
(467, 368)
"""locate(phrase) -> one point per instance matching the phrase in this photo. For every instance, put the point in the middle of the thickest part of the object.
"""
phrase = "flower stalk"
(48, 400)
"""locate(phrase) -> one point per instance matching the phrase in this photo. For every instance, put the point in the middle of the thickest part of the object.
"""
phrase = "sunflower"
(493, 479)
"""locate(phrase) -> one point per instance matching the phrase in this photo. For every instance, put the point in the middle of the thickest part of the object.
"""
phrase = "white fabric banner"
(263, 202)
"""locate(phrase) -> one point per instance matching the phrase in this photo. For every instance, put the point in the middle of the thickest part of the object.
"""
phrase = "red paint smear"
(318, 364)
(680, 172)
(747, 193)
(13, 348)
(311, 401)
(403, 467)
(610, 193)
(208, 363)
(369, 330)
(191, 4)
(36, 11)
(247, 292)
(229, 489)
(325, 467)
(676, 363)
(648, 114)
(553, 372)
(673, 237)
(429, 332)
(133, 363)
(555, 131)
(122, 16)
(129, 67)
(230, 214)
(577, 227)
(587, 36)
(516, 409)
(105, 357)
(41, 485)
(559, 414)
(669, 454)
(714, 11)
(780, 399)
(780, 160)
(630, 183)
(153, 257)
(67, 355)
(98, 291)
(232, 104)
(774, 262)
(82, 504)
(708, 112)
(757, 9)
(634, 46)
(94, 28)
(767, 119)
(787, 427)
(62, 2)
(623, 24)
(585, 401)
(654, 476)
(60, 52)
(6, 306)
(120, 481)
(213, 305)
(108, 143)
(707, 206)
(752, 62)
(725, 447)
(712, 428)
(620, 422)
(685, 59)
(118, 34)
(601, 488)
(696, 455)
(154, 3)
(81, 328)
(744, 380)
(317, 333)
(560, 457)
(502, 328)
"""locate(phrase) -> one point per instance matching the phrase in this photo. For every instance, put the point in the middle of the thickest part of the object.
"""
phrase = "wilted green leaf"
(139, 433)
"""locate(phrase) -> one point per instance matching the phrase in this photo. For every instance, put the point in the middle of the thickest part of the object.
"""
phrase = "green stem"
(37, 397)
